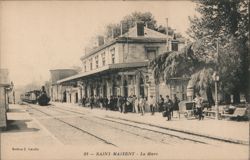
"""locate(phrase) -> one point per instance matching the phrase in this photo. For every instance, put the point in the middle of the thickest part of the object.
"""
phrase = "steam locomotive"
(36, 96)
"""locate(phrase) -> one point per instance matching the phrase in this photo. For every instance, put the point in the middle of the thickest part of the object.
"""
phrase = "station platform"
(226, 130)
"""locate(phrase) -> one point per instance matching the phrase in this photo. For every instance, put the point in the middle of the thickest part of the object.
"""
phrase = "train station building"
(121, 67)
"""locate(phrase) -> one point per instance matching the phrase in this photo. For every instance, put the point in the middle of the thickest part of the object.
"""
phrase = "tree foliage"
(130, 20)
(184, 63)
(229, 22)
(222, 25)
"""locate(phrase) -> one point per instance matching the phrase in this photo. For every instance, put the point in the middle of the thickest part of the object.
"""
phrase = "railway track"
(116, 123)
(185, 135)
(135, 125)
(87, 119)
(73, 126)
(110, 119)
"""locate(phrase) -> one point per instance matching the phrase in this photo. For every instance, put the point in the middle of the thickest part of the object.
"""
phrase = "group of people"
(168, 106)
(138, 104)
(112, 103)
(133, 103)
(121, 103)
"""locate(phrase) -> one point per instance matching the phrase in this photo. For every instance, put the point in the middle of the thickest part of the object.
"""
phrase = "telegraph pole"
(121, 28)
(112, 33)
(167, 34)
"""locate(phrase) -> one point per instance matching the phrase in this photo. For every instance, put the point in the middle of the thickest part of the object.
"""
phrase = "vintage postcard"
(124, 80)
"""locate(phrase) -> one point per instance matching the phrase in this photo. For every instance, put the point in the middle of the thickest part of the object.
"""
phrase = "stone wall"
(3, 103)
(4, 83)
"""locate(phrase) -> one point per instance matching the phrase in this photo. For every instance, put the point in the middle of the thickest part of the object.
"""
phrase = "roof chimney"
(100, 40)
(140, 28)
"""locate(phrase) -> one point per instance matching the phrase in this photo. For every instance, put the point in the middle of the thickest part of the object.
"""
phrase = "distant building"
(55, 91)
(120, 66)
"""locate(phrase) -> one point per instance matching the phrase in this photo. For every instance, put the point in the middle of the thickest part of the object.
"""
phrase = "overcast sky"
(38, 36)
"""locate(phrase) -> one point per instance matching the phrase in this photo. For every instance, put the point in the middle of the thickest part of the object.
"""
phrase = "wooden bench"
(209, 113)
(239, 113)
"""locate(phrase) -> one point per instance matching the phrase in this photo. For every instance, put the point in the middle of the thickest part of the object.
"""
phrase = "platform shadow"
(19, 126)
(12, 110)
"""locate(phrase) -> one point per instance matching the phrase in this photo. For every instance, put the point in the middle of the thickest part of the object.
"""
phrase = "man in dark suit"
(168, 104)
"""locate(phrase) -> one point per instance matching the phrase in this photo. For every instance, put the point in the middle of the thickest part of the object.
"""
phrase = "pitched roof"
(147, 33)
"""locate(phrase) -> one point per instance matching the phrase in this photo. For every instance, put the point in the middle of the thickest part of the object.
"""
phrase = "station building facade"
(121, 67)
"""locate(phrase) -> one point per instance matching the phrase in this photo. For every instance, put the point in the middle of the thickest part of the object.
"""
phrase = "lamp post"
(216, 79)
